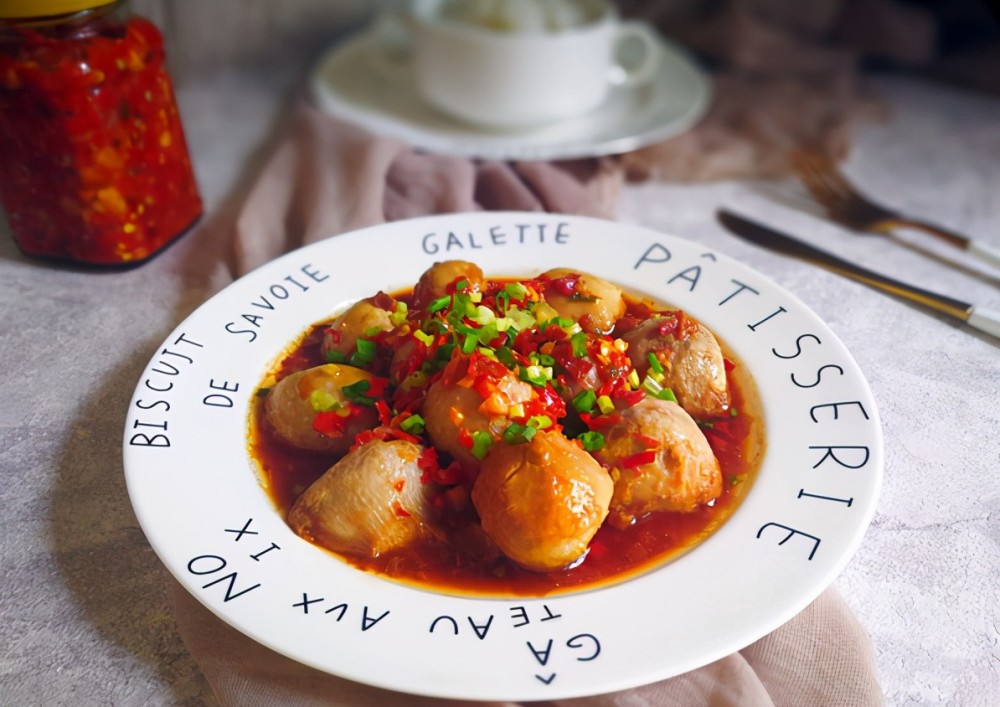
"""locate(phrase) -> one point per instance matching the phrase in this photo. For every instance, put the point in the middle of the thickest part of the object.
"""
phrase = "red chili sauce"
(614, 555)
(95, 166)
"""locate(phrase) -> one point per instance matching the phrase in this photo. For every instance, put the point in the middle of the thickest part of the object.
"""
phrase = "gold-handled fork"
(846, 205)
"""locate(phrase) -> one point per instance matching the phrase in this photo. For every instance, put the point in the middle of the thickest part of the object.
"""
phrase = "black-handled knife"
(978, 317)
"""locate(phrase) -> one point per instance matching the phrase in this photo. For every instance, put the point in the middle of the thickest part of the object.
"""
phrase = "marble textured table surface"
(84, 617)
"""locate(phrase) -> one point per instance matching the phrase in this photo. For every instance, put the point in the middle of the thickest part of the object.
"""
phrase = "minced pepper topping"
(491, 341)
(508, 370)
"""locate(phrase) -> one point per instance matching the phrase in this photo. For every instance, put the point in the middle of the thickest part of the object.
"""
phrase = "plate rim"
(832, 569)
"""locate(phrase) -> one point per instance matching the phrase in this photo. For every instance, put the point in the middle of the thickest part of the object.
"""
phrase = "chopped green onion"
(733, 412)
(465, 306)
(536, 375)
(323, 400)
(579, 344)
(365, 353)
(584, 401)
(505, 356)
(591, 441)
(414, 424)
(481, 443)
(460, 327)
(503, 302)
(563, 323)
(654, 362)
(335, 357)
(520, 319)
(357, 393)
(605, 404)
(415, 380)
(488, 333)
(443, 354)
(438, 304)
(484, 315)
(543, 359)
(517, 433)
(470, 343)
(658, 391)
(540, 422)
(423, 337)
(440, 326)
(398, 315)
(515, 290)
(633, 378)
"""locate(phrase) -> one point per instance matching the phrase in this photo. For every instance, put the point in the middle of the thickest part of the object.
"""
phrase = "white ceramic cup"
(520, 77)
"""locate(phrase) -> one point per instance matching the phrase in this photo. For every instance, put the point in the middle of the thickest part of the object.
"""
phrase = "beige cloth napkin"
(325, 177)
(328, 177)
(822, 657)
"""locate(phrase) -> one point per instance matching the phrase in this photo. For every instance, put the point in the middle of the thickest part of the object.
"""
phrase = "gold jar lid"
(15, 9)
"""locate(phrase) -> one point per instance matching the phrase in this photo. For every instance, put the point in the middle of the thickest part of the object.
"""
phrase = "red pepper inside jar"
(94, 166)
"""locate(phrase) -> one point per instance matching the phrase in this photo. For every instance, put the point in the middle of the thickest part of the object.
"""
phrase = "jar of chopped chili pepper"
(94, 166)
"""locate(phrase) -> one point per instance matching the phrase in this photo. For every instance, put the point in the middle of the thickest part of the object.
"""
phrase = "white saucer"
(350, 83)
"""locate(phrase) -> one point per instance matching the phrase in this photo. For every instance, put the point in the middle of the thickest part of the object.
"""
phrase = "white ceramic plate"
(354, 82)
(195, 492)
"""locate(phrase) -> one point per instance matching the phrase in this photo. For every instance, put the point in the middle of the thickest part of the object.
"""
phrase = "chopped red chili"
(434, 473)
(566, 285)
(384, 412)
(333, 423)
(596, 422)
(95, 167)
(638, 459)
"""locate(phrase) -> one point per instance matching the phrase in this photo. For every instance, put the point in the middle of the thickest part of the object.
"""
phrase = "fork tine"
(850, 207)
(828, 186)
(820, 174)
(863, 208)
(832, 176)
(815, 180)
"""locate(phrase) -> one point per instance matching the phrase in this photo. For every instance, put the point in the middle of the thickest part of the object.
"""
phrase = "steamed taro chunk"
(474, 395)
(369, 502)
(310, 410)
(690, 360)
(542, 501)
(365, 319)
(587, 299)
(659, 461)
(440, 280)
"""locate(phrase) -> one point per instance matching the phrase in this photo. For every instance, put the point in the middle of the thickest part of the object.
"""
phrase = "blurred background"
(785, 71)
(955, 40)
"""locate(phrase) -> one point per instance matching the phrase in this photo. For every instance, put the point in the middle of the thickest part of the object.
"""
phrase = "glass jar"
(94, 166)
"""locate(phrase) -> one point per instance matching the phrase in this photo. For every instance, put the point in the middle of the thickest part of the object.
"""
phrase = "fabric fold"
(821, 658)
(326, 177)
